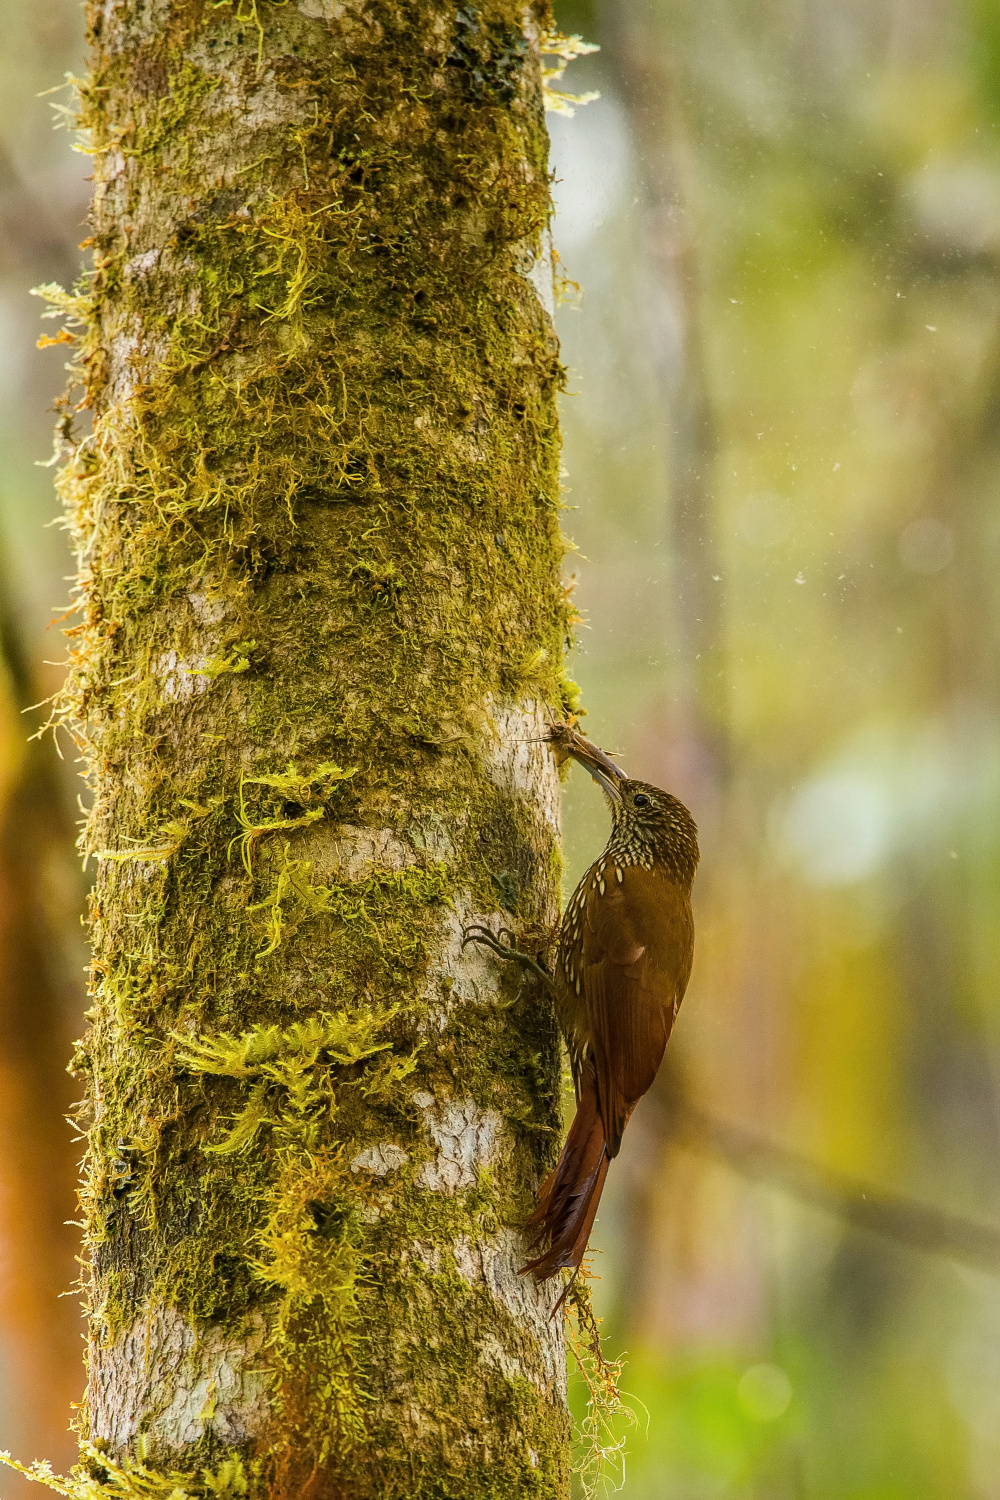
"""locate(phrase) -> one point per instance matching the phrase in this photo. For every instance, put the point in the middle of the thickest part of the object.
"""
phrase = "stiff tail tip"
(568, 1198)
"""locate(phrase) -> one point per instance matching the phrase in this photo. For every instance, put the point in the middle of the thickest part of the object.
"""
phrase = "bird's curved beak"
(593, 759)
(607, 782)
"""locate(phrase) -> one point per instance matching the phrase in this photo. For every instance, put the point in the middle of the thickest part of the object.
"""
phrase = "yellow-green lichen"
(98, 1476)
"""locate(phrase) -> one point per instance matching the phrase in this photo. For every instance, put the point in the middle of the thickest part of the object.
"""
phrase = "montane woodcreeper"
(623, 958)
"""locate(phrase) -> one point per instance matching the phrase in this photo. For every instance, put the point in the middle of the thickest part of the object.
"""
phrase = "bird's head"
(649, 825)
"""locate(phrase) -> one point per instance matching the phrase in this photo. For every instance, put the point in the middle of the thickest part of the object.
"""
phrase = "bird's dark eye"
(641, 800)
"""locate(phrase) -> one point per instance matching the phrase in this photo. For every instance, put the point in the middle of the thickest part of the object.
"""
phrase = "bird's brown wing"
(638, 943)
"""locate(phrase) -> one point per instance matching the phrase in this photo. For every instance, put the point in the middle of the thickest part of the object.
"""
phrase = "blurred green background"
(783, 459)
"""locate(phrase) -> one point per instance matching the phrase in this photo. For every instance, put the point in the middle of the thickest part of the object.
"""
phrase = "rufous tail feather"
(568, 1198)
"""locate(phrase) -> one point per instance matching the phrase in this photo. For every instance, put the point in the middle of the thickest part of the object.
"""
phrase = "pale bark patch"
(381, 1159)
(474, 973)
(538, 268)
(494, 1263)
(429, 1254)
(143, 22)
(178, 1383)
(261, 107)
(466, 1136)
(361, 852)
(180, 679)
(139, 267)
(133, 354)
(323, 10)
(207, 608)
(519, 760)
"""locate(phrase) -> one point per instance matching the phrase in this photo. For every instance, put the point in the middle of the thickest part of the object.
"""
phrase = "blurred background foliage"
(783, 448)
(43, 202)
(783, 456)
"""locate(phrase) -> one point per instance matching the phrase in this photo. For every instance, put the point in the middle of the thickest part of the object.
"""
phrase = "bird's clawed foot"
(477, 933)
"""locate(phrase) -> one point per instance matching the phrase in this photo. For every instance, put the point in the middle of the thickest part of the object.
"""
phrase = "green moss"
(306, 796)
(98, 1476)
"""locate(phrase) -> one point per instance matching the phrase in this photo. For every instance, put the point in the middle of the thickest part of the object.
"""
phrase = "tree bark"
(323, 626)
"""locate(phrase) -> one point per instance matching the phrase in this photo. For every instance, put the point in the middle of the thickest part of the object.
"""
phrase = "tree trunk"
(323, 627)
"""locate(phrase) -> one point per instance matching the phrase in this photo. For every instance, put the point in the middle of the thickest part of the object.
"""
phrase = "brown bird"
(625, 947)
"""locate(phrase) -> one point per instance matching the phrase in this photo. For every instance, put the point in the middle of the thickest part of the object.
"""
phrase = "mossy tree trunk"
(323, 628)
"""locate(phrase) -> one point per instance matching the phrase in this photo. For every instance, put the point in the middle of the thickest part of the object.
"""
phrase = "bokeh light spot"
(765, 1392)
(836, 828)
(764, 520)
(926, 545)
